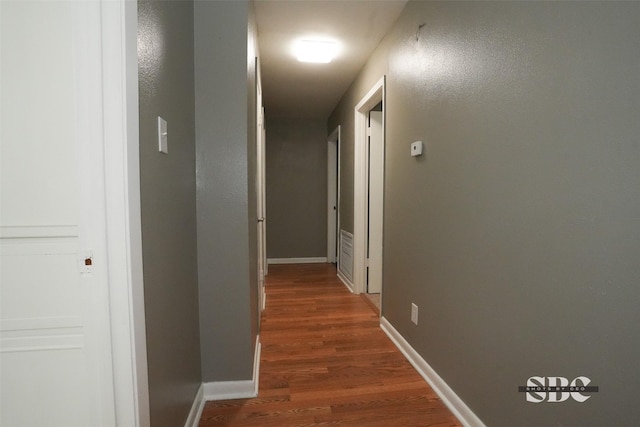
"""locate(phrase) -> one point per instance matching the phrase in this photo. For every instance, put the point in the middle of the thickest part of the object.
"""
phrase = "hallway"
(325, 361)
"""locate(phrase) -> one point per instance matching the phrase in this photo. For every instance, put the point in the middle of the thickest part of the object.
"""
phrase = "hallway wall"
(296, 152)
(168, 199)
(225, 73)
(516, 233)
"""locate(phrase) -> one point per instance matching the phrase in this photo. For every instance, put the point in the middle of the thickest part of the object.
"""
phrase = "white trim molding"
(196, 409)
(460, 409)
(345, 281)
(360, 166)
(310, 260)
(256, 366)
(244, 389)
(119, 68)
(225, 390)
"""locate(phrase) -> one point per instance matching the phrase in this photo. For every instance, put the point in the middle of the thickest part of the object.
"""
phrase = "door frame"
(333, 194)
(375, 95)
(122, 195)
(261, 190)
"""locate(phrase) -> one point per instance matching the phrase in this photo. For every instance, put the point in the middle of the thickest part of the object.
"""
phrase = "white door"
(260, 186)
(375, 203)
(55, 350)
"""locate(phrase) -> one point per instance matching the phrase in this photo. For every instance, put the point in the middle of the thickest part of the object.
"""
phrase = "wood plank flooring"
(325, 361)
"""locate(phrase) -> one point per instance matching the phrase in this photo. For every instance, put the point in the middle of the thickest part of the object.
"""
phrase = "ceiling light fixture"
(316, 51)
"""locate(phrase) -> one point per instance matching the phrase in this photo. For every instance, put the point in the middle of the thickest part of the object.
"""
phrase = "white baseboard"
(223, 390)
(310, 260)
(346, 281)
(460, 409)
(256, 366)
(244, 389)
(196, 409)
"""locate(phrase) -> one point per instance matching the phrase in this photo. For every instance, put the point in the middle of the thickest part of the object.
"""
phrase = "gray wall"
(296, 152)
(165, 51)
(226, 206)
(517, 232)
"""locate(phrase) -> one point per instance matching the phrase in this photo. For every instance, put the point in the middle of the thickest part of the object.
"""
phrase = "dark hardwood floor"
(325, 361)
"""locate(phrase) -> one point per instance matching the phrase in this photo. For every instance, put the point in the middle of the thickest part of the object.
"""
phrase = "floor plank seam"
(325, 361)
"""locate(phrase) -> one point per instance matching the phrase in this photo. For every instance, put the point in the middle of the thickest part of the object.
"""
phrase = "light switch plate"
(414, 314)
(163, 144)
(416, 148)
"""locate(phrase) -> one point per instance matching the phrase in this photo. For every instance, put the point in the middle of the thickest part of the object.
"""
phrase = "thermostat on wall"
(416, 149)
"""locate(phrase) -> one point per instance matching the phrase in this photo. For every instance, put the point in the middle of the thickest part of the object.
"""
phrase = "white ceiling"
(295, 89)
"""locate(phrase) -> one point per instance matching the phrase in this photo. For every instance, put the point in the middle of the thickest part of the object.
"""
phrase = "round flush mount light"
(316, 51)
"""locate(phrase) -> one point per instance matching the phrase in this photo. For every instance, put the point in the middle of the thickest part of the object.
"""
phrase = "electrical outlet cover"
(416, 149)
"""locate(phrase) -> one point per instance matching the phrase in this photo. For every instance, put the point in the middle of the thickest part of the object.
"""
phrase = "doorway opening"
(369, 191)
(375, 190)
(333, 195)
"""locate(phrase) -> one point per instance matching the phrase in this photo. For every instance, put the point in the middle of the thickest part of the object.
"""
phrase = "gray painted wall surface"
(226, 208)
(296, 188)
(168, 198)
(517, 232)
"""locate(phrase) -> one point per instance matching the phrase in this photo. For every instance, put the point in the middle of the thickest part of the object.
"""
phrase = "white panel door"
(55, 351)
(376, 190)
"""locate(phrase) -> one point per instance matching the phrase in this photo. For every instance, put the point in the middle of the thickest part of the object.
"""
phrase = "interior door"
(375, 202)
(55, 349)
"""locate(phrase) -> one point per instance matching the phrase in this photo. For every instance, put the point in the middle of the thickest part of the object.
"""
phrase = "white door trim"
(122, 192)
(333, 194)
(261, 190)
(370, 100)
